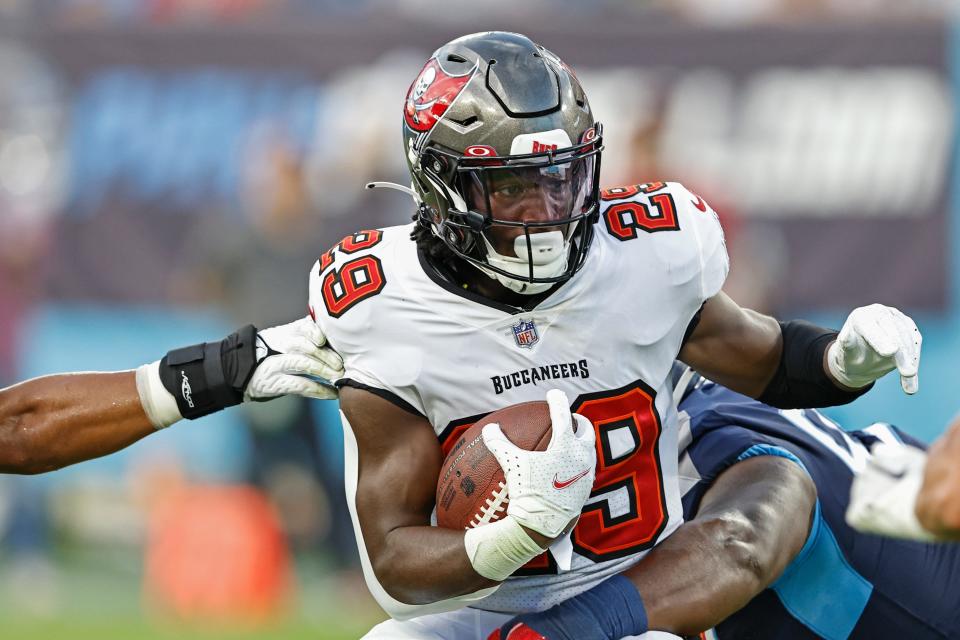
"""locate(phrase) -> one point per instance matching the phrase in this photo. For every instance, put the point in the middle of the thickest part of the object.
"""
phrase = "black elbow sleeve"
(800, 380)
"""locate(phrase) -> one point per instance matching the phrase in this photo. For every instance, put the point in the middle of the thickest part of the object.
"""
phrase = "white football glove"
(874, 341)
(547, 489)
(884, 494)
(292, 359)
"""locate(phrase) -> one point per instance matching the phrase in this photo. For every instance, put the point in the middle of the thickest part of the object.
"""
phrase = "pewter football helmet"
(498, 132)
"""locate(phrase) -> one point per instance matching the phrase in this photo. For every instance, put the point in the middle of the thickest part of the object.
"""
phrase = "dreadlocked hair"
(428, 243)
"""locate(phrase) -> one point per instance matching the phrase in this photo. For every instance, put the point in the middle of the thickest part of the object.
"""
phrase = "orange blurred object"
(217, 554)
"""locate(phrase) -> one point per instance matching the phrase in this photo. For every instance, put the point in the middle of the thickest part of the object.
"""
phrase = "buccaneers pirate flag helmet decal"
(431, 94)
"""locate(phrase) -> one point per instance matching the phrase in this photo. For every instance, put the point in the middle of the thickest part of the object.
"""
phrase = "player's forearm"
(420, 565)
(54, 421)
(50, 422)
(744, 536)
(701, 574)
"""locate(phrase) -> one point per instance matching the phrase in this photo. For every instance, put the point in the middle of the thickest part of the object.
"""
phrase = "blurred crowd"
(708, 12)
(154, 193)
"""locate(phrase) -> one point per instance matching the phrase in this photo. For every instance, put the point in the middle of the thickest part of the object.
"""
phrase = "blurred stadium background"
(169, 170)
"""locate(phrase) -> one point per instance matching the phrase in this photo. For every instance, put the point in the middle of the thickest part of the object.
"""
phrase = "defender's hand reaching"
(286, 356)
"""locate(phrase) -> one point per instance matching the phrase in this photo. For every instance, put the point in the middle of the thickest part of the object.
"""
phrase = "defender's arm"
(54, 421)
(742, 538)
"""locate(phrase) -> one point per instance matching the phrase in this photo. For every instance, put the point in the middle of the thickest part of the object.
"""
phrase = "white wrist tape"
(158, 403)
(498, 549)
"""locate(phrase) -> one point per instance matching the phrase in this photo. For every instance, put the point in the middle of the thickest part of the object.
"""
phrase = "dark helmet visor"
(539, 198)
(510, 196)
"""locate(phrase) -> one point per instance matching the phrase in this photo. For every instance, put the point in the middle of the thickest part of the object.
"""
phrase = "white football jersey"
(607, 337)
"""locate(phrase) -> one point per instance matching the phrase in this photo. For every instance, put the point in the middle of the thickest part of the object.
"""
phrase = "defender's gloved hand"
(198, 380)
(874, 341)
(884, 494)
(288, 353)
(548, 489)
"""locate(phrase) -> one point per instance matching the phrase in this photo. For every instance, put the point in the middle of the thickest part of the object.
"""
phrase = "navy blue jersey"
(842, 584)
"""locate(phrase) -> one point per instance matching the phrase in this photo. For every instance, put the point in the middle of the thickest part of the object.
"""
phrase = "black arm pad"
(800, 380)
(210, 376)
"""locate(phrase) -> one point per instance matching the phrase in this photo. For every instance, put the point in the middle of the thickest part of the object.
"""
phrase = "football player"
(766, 552)
(519, 275)
(50, 422)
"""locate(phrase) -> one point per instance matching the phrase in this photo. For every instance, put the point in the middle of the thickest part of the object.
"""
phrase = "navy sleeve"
(718, 449)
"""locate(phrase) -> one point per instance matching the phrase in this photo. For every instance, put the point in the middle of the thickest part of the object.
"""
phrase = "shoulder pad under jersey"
(673, 225)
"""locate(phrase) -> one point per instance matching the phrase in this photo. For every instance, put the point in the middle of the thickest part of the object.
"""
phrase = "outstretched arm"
(743, 536)
(797, 364)
(50, 422)
(54, 421)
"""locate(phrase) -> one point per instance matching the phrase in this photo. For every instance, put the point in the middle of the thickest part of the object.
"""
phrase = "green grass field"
(140, 629)
(98, 597)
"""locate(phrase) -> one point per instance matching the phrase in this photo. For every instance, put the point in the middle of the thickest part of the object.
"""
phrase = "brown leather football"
(471, 489)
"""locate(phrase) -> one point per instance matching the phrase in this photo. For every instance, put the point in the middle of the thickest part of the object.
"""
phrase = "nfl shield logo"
(525, 333)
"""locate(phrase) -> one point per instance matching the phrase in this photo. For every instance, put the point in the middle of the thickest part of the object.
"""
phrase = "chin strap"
(519, 284)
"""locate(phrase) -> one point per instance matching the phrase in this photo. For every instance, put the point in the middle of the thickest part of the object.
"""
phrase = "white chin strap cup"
(550, 251)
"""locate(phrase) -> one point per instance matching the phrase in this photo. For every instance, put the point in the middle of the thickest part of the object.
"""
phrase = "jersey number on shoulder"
(624, 218)
(356, 279)
(627, 510)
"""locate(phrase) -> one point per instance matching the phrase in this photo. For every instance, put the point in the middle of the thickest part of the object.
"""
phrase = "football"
(471, 489)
